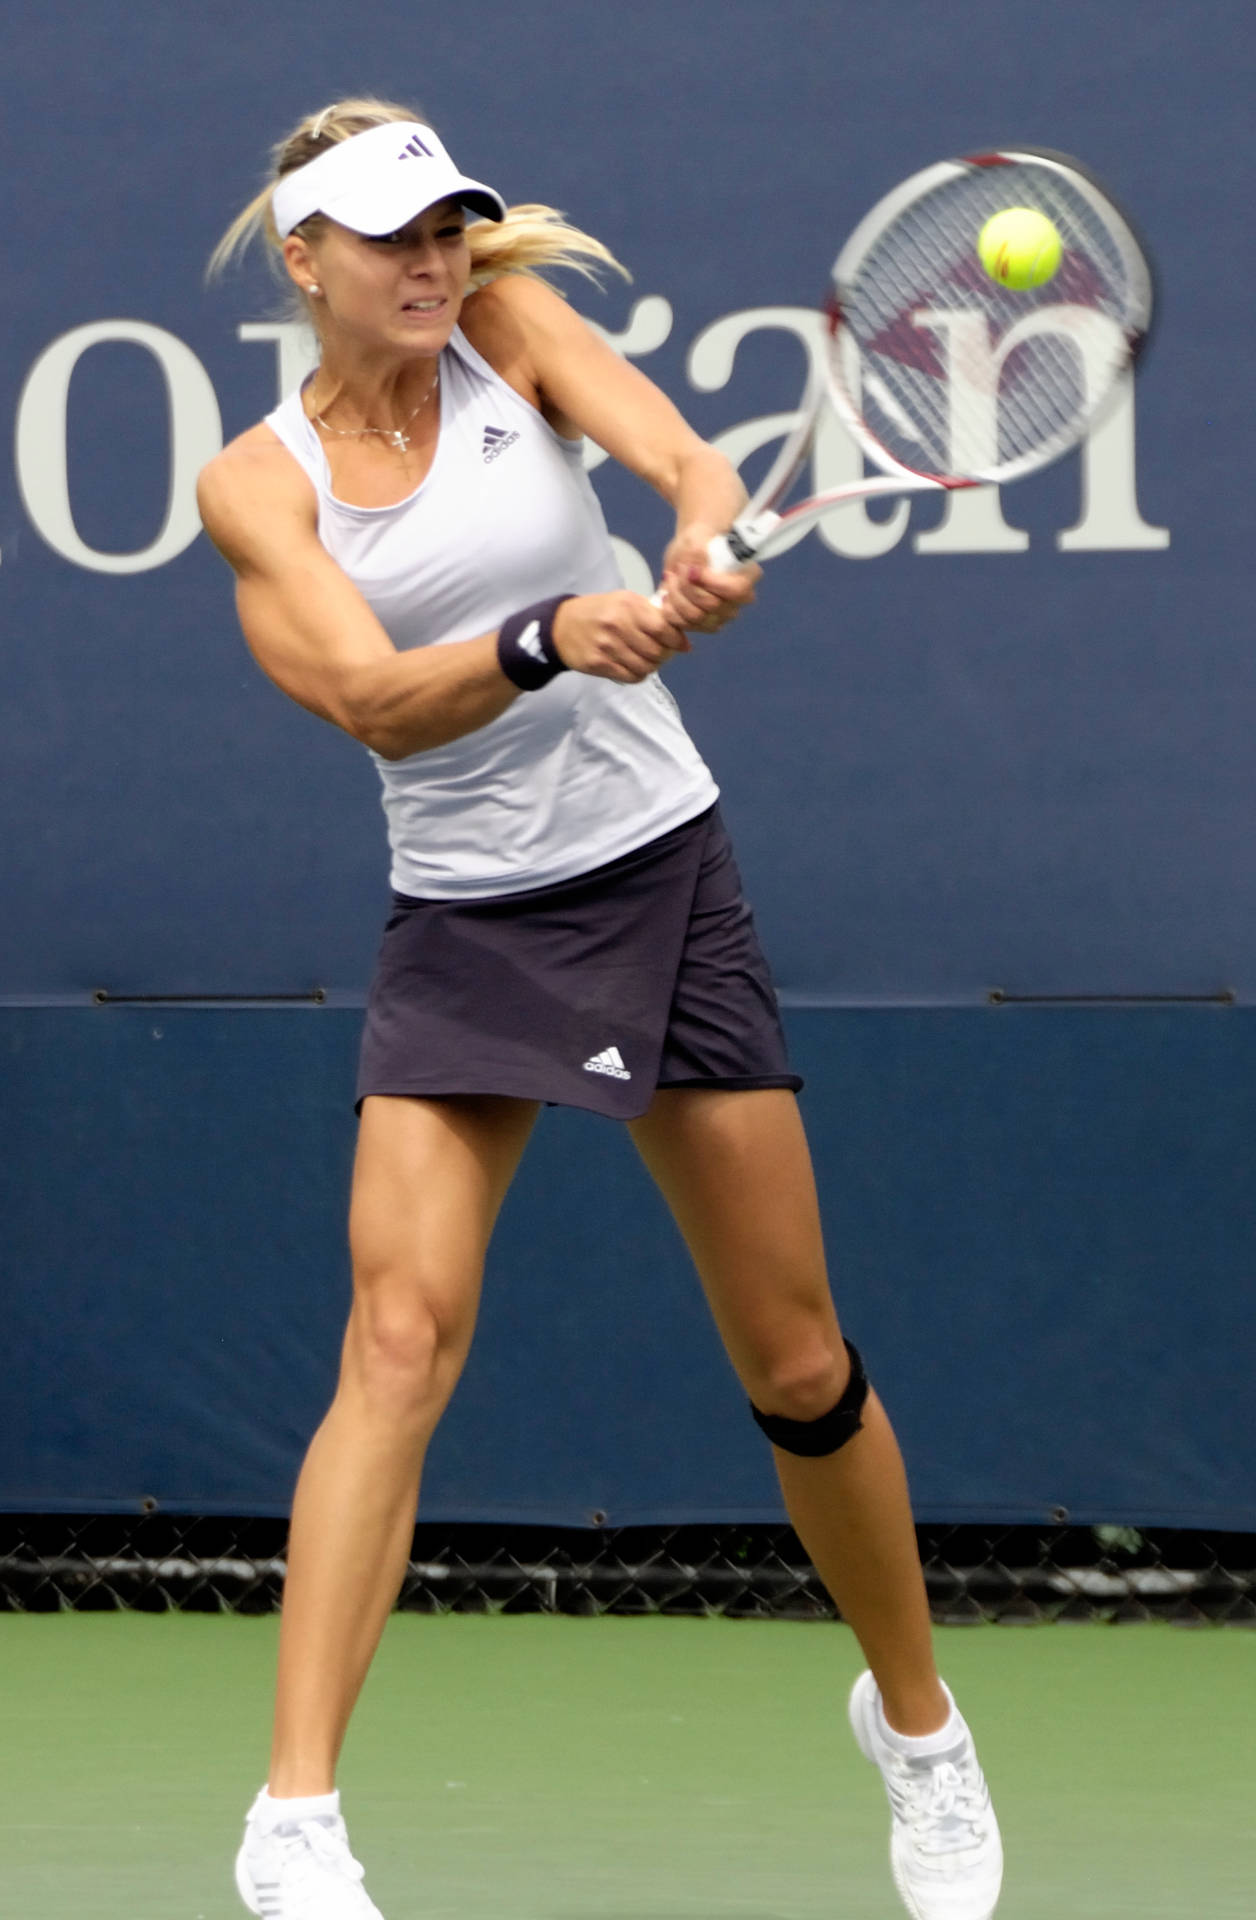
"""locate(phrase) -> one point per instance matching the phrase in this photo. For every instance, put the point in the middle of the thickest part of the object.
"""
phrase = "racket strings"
(953, 373)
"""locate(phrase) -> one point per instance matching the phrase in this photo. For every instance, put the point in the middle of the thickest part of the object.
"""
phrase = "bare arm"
(314, 634)
(557, 361)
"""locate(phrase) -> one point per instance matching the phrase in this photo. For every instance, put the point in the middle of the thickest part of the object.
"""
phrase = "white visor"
(376, 181)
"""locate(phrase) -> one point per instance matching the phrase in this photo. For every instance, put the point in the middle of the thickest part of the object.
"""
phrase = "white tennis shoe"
(301, 1870)
(945, 1851)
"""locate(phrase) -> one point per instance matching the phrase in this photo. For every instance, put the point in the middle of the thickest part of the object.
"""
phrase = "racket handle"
(744, 541)
(723, 556)
(720, 555)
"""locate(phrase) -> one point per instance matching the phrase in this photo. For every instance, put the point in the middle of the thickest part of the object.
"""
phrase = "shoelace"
(312, 1846)
(945, 1811)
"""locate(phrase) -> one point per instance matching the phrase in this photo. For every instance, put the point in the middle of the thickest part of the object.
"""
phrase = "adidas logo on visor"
(415, 150)
(496, 440)
(609, 1061)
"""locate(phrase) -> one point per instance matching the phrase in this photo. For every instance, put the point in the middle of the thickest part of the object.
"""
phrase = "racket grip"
(720, 555)
(744, 542)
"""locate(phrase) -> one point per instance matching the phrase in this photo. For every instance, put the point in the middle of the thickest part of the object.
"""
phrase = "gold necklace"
(395, 436)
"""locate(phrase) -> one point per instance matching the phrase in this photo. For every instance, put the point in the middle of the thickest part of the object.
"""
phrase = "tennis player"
(421, 561)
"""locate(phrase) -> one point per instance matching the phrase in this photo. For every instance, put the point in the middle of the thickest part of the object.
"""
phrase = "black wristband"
(525, 644)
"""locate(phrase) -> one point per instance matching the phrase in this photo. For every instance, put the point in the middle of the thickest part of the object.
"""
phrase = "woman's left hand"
(695, 595)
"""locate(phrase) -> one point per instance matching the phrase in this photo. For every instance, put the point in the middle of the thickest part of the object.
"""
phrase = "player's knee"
(803, 1382)
(405, 1352)
(803, 1420)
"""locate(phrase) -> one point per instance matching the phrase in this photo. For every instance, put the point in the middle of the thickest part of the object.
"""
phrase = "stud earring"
(313, 289)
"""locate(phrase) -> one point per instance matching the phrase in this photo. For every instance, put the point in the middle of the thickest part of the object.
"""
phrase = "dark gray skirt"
(641, 974)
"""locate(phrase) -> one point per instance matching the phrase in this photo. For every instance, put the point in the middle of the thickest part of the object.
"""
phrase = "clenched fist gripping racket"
(946, 376)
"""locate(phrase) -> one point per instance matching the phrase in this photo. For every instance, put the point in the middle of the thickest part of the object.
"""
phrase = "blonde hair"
(531, 237)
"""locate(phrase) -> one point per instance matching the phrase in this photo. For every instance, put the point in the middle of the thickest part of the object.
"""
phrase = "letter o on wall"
(195, 436)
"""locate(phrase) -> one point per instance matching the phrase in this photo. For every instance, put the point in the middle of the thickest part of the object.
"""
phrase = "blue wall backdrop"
(1000, 746)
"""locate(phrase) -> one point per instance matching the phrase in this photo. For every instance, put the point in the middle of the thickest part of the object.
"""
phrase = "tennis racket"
(943, 376)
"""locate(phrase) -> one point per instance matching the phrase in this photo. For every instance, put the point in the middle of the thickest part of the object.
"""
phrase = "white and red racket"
(945, 377)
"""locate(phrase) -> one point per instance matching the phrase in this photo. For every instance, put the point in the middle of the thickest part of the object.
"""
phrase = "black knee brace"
(812, 1438)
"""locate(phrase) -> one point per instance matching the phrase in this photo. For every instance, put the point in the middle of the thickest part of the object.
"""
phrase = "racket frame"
(765, 523)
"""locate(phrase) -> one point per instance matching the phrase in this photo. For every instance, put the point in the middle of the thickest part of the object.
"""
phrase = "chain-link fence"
(159, 1561)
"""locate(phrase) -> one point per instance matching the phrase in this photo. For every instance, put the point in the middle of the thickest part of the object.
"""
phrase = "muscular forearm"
(427, 696)
(412, 701)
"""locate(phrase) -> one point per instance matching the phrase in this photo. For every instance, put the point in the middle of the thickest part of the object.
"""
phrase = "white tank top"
(568, 777)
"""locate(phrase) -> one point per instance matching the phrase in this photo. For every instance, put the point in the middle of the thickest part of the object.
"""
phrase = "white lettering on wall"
(971, 521)
(1110, 521)
(195, 436)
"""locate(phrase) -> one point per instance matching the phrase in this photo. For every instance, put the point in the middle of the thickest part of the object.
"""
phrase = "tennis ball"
(1019, 248)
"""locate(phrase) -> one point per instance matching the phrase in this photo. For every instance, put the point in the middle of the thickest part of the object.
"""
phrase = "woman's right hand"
(616, 636)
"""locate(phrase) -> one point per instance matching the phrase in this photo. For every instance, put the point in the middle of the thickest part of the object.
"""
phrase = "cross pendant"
(400, 440)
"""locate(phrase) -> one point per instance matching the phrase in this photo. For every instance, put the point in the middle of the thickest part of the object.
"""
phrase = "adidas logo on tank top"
(609, 1061)
(496, 440)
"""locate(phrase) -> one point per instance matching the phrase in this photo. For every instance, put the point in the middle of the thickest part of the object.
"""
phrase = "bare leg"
(735, 1171)
(428, 1183)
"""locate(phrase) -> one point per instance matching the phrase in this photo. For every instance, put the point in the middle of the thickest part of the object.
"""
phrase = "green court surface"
(541, 1768)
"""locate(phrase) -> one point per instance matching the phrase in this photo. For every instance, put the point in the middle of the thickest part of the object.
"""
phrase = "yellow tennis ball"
(1019, 248)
